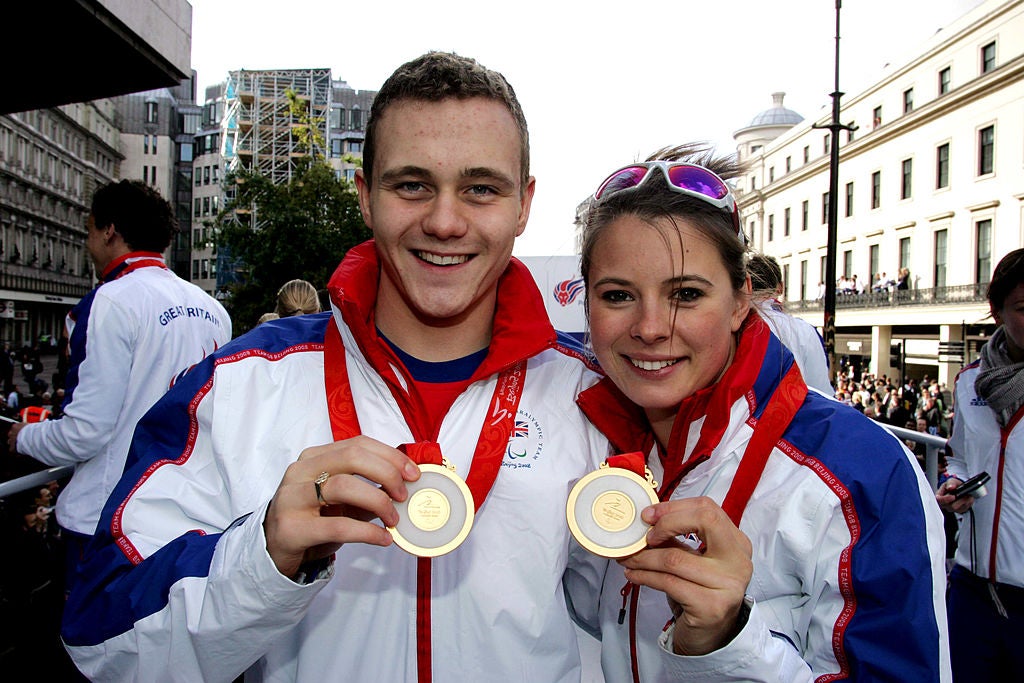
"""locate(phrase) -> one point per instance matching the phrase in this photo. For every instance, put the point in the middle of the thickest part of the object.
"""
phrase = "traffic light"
(896, 355)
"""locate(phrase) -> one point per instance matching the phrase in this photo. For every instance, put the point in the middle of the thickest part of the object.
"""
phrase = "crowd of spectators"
(31, 586)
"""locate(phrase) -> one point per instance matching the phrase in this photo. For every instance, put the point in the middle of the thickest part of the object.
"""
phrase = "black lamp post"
(833, 216)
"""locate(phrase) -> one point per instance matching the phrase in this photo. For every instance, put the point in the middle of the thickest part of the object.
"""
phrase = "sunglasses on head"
(689, 179)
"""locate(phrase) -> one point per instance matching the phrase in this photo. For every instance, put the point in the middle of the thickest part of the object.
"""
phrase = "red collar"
(121, 264)
(521, 326)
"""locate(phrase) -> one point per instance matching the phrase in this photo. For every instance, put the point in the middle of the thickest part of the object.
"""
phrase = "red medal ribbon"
(487, 457)
(773, 422)
(634, 462)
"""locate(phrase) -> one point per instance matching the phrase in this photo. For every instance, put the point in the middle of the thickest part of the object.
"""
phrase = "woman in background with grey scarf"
(986, 585)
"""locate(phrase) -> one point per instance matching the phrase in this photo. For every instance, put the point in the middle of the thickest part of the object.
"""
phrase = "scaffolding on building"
(261, 131)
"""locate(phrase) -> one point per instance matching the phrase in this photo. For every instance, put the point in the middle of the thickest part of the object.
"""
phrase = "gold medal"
(604, 507)
(438, 514)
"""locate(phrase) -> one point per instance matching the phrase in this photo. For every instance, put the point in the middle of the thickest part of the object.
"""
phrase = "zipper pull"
(626, 590)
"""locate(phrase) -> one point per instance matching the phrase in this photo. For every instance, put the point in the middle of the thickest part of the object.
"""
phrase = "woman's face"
(1011, 317)
(663, 311)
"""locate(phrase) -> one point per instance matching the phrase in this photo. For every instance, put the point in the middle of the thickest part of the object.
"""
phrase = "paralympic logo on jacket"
(525, 443)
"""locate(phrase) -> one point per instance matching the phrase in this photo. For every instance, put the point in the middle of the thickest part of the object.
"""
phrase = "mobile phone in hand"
(975, 486)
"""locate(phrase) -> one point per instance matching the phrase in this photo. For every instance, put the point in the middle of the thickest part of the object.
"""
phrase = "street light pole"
(833, 216)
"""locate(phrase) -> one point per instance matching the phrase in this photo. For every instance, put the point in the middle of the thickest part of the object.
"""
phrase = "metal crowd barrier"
(933, 443)
(30, 481)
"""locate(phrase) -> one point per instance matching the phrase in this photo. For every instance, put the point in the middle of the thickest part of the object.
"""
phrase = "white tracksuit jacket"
(128, 339)
(847, 539)
(980, 445)
(179, 586)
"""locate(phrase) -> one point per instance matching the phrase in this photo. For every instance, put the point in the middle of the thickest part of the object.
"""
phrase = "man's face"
(445, 205)
(96, 243)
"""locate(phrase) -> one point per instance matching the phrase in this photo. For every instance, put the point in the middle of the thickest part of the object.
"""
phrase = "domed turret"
(765, 127)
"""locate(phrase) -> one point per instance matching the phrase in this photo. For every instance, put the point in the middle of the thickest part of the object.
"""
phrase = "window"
(876, 117)
(874, 268)
(155, 138)
(152, 175)
(336, 147)
(785, 281)
(195, 238)
(789, 164)
(945, 76)
(215, 176)
(826, 145)
(195, 269)
(939, 274)
(986, 150)
(983, 240)
(906, 178)
(849, 199)
(771, 174)
(204, 271)
(214, 204)
(850, 131)
(206, 206)
(199, 178)
(848, 264)
(752, 225)
(145, 144)
(876, 189)
(805, 211)
(803, 280)
(908, 100)
(823, 270)
(988, 57)
(905, 252)
(786, 222)
(807, 153)
(942, 166)
(151, 112)
(824, 208)
(357, 119)
(145, 174)
(185, 151)
(198, 208)
(206, 175)
(338, 118)
(753, 182)
(771, 227)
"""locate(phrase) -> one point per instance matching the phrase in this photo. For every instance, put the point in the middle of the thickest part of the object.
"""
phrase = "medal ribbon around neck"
(494, 434)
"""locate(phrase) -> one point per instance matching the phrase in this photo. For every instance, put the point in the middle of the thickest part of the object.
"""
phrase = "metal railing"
(30, 481)
(958, 294)
(933, 443)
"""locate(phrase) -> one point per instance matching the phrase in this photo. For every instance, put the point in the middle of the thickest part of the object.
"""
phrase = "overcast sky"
(602, 84)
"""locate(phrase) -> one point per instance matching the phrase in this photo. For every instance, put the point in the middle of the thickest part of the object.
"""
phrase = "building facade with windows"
(51, 162)
(931, 180)
(248, 123)
(158, 128)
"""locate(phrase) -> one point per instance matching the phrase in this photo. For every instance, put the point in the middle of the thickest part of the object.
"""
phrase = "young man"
(247, 533)
(129, 338)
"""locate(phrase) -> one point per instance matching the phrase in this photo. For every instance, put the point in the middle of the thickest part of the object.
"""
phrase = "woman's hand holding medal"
(705, 584)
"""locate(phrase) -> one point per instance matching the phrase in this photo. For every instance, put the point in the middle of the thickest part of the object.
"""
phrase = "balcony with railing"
(956, 295)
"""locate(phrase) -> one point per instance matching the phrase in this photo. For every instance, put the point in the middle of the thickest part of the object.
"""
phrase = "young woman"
(815, 550)
(986, 595)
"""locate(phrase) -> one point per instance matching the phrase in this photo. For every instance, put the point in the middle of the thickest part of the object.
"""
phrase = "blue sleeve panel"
(892, 633)
(112, 592)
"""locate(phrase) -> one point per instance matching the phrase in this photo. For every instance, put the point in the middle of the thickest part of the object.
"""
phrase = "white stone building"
(931, 180)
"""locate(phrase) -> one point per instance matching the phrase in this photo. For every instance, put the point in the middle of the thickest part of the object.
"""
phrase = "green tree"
(274, 233)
